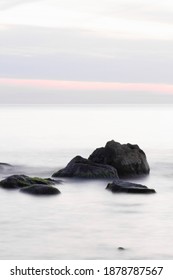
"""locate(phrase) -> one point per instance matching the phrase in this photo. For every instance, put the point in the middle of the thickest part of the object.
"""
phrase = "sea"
(86, 221)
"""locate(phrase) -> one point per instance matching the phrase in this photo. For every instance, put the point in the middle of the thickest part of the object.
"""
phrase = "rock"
(121, 248)
(83, 168)
(119, 186)
(21, 181)
(3, 164)
(40, 189)
(128, 159)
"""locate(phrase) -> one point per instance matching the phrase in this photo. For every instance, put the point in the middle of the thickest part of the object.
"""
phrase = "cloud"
(66, 54)
(22, 96)
(120, 19)
(8, 4)
(88, 85)
(108, 41)
(5, 4)
(68, 92)
(149, 11)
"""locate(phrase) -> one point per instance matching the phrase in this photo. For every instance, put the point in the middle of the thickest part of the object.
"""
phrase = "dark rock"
(4, 167)
(39, 189)
(121, 248)
(83, 168)
(3, 164)
(119, 186)
(21, 181)
(128, 159)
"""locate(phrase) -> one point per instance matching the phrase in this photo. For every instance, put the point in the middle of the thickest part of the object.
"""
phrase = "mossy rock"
(22, 181)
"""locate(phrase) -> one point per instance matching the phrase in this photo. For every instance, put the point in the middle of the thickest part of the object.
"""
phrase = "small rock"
(40, 190)
(4, 167)
(2, 164)
(119, 186)
(21, 181)
(121, 248)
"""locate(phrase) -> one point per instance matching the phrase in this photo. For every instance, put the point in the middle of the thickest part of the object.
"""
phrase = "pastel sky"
(91, 51)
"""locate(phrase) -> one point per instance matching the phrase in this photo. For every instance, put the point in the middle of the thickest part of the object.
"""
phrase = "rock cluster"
(32, 185)
(111, 161)
(114, 161)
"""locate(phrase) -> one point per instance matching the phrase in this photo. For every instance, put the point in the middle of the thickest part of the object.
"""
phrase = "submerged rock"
(21, 181)
(40, 189)
(119, 186)
(121, 248)
(5, 166)
(128, 159)
(83, 168)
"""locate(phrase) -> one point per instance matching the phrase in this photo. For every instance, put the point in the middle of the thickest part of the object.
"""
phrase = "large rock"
(128, 159)
(119, 186)
(40, 189)
(21, 181)
(83, 168)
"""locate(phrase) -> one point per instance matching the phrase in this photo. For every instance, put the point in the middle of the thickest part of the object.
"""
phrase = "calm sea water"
(85, 221)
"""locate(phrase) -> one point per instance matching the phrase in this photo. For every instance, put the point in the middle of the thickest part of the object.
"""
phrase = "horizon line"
(88, 85)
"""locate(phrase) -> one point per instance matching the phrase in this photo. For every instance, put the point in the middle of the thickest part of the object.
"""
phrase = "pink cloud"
(84, 85)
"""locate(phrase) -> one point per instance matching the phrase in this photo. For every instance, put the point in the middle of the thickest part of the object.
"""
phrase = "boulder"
(21, 181)
(129, 160)
(119, 186)
(83, 168)
(40, 189)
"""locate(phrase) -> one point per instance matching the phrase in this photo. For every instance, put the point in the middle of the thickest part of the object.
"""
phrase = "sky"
(86, 51)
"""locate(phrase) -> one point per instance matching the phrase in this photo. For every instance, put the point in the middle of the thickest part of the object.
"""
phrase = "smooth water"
(85, 221)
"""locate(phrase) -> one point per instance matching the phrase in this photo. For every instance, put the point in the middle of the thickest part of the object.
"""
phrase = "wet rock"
(83, 168)
(21, 181)
(127, 159)
(119, 186)
(39, 189)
